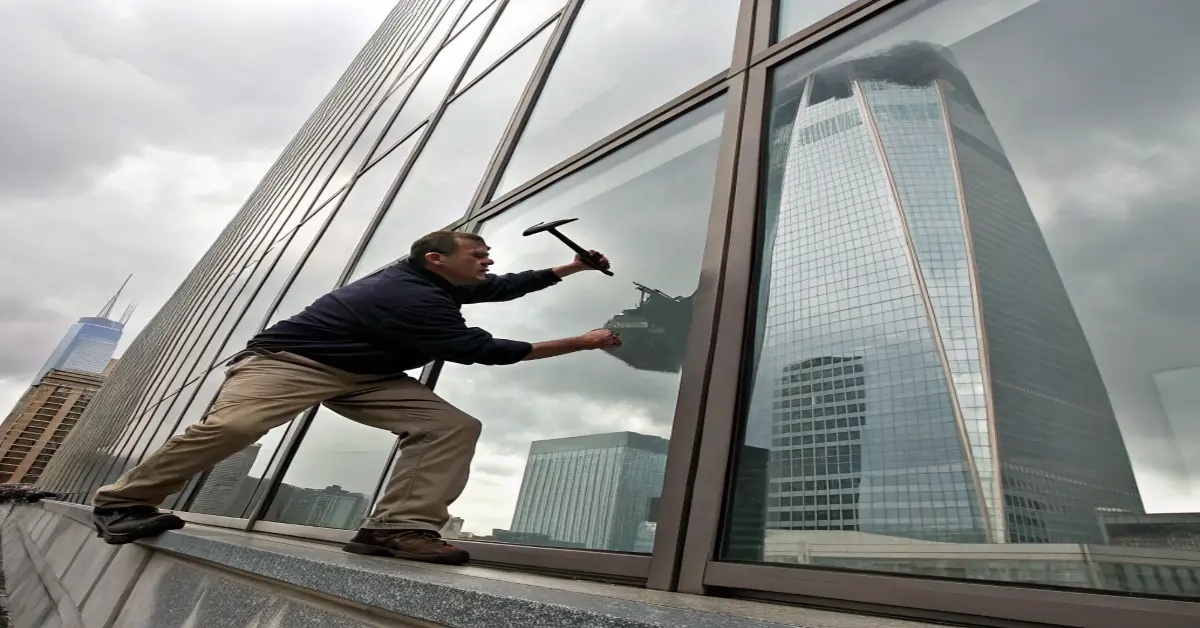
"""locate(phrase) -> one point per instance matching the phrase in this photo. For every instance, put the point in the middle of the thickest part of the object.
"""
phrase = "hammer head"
(546, 226)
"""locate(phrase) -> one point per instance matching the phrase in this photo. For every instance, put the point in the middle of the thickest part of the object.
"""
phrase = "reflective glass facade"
(906, 290)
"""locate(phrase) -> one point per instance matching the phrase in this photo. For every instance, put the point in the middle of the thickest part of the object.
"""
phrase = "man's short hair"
(444, 242)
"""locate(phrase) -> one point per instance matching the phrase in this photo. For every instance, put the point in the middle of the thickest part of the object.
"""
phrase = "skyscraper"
(593, 490)
(90, 343)
(904, 247)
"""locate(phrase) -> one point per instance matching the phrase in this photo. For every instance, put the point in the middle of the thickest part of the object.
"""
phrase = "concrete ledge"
(460, 597)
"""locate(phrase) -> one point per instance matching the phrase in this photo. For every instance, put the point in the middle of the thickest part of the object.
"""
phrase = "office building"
(41, 420)
(592, 490)
(89, 345)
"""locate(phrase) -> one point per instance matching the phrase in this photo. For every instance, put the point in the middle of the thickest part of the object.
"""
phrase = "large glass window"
(220, 494)
(976, 351)
(621, 59)
(443, 180)
(334, 474)
(431, 89)
(795, 15)
(516, 22)
(329, 257)
(574, 448)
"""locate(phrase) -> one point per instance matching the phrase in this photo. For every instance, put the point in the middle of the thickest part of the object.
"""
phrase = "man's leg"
(437, 443)
(259, 393)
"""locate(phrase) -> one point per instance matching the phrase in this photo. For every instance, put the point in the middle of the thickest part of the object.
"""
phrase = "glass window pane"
(796, 15)
(328, 259)
(574, 448)
(977, 316)
(443, 180)
(332, 477)
(433, 84)
(518, 20)
(621, 60)
(220, 494)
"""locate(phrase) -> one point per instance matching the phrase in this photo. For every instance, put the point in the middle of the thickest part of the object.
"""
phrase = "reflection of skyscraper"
(329, 507)
(224, 483)
(1179, 392)
(594, 490)
(903, 239)
(655, 331)
(89, 344)
(334, 507)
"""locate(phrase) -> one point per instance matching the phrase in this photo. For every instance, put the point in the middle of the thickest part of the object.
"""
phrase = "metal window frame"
(985, 603)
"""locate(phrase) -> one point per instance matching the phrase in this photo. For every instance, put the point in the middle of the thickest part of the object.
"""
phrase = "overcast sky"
(131, 137)
(132, 132)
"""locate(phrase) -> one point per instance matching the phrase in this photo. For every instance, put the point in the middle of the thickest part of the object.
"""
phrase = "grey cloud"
(95, 83)
(132, 133)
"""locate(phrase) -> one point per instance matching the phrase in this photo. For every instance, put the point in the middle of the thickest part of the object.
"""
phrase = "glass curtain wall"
(973, 333)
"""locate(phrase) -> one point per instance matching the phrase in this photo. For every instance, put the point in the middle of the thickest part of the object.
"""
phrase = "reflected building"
(591, 491)
(1179, 393)
(329, 507)
(222, 489)
(918, 354)
(655, 331)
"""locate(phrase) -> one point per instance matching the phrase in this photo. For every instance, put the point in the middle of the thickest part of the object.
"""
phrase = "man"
(349, 350)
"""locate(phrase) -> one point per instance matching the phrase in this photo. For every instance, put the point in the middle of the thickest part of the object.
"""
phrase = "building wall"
(42, 419)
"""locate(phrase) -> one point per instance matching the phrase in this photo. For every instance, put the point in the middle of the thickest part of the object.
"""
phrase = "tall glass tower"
(922, 372)
(90, 343)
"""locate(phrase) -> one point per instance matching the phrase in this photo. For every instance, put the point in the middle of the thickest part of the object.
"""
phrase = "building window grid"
(946, 308)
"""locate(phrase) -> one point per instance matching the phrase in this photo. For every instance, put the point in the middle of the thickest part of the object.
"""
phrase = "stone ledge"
(469, 597)
(413, 590)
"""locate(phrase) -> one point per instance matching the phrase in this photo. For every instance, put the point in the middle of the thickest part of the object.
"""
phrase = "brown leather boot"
(423, 545)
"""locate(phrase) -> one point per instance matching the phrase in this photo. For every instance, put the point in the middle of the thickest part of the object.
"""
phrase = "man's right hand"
(595, 339)
(600, 339)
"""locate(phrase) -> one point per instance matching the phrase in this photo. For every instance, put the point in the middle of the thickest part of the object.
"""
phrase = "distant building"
(592, 490)
(89, 344)
(223, 486)
(1170, 530)
(40, 421)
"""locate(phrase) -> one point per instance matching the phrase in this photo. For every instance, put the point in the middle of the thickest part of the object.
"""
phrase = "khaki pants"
(263, 392)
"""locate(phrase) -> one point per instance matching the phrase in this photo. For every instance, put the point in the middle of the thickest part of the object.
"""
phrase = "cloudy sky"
(133, 138)
(132, 131)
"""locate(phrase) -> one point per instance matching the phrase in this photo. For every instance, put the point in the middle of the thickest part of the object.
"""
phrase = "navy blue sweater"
(400, 319)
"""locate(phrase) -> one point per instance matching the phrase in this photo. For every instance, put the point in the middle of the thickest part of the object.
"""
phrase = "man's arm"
(515, 285)
(508, 287)
(438, 330)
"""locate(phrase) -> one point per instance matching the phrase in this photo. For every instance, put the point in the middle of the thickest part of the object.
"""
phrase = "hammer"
(584, 255)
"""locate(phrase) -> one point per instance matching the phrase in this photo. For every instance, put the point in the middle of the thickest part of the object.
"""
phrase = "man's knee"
(455, 421)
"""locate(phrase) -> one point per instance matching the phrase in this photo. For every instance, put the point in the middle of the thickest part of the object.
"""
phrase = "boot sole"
(150, 529)
(364, 549)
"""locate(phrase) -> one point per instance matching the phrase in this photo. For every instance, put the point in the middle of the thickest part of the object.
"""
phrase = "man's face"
(468, 265)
